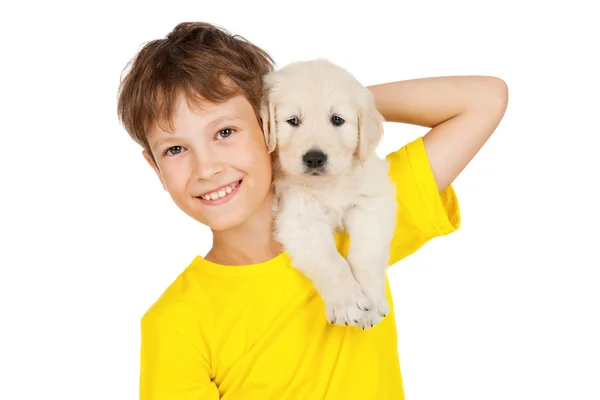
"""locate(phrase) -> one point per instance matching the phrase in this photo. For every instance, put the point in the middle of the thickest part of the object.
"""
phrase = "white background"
(505, 308)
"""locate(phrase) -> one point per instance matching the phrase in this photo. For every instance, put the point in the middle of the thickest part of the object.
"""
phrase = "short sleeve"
(172, 367)
(423, 213)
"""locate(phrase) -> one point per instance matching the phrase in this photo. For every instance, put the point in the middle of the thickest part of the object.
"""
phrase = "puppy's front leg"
(371, 229)
(311, 246)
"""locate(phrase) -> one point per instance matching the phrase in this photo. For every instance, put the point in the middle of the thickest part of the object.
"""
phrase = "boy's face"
(215, 164)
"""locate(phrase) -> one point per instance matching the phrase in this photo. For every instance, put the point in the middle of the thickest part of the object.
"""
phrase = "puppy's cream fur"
(303, 104)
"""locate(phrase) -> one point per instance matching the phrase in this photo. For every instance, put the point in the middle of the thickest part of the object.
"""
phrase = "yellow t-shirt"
(260, 331)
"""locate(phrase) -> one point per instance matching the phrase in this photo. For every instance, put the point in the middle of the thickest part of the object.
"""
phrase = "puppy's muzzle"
(314, 160)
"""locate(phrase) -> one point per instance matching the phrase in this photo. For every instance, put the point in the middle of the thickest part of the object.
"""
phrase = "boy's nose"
(206, 167)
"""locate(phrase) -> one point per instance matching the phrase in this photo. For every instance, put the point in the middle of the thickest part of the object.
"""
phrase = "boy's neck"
(250, 243)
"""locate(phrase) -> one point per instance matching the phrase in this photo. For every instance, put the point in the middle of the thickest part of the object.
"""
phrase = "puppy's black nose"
(314, 158)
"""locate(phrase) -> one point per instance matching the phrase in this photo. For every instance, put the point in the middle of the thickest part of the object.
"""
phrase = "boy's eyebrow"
(162, 141)
(223, 118)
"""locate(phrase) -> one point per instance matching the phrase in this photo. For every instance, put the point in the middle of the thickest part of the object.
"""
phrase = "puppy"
(323, 129)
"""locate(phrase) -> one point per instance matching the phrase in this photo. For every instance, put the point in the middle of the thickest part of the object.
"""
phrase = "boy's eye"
(293, 121)
(225, 133)
(174, 150)
(337, 121)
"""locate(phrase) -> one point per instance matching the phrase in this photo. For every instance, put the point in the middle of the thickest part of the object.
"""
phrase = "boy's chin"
(225, 222)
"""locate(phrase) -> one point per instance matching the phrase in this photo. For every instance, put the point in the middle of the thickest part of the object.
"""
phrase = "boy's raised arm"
(463, 112)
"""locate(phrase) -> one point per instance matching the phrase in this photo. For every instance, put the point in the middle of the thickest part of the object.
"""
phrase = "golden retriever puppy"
(323, 129)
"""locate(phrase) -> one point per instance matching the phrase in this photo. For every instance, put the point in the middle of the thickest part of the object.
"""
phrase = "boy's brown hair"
(196, 59)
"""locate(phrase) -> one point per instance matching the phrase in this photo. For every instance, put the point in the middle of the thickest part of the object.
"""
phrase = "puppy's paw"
(381, 305)
(379, 311)
(373, 285)
(350, 314)
(349, 307)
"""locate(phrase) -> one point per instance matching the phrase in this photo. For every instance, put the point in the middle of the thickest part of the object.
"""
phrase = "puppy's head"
(319, 119)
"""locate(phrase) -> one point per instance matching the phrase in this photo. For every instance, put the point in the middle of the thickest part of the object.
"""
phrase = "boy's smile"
(214, 163)
(221, 194)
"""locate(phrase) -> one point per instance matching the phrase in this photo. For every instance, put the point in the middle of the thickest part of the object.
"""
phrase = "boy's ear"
(150, 159)
(267, 115)
(370, 126)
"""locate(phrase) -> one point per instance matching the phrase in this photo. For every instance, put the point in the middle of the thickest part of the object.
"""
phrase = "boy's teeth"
(220, 194)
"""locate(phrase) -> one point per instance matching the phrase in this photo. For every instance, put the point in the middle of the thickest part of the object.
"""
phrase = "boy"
(240, 322)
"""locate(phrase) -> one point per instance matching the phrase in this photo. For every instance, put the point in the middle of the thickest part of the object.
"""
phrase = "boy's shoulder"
(181, 301)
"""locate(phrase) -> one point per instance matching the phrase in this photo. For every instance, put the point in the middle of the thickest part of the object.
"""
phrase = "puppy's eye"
(293, 121)
(337, 121)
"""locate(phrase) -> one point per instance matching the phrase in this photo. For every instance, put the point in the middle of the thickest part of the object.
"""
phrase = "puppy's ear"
(267, 115)
(370, 126)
